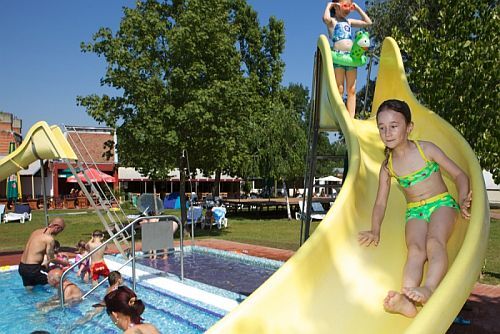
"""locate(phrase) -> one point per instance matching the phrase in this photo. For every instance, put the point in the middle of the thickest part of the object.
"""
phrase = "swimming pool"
(169, 312)
(239, 273)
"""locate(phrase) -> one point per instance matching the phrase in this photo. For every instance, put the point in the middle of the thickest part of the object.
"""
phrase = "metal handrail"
(105, 279)
(114, 236)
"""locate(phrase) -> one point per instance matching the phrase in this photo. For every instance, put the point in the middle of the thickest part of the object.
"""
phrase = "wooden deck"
(277, 203)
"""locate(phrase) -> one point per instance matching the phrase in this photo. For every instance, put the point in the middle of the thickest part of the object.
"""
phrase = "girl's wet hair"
(332, 11)
(397, 106)
(125, 301)
(81, 244)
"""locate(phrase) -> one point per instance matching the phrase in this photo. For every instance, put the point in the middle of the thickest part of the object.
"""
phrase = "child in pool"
(115, 280)
(84, 267)
(98, 266)
(60, 256)
(339, 29)
(431, 211)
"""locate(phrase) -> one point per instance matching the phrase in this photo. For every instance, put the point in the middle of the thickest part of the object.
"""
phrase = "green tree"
(195, 75)
(300, 103)
(178, 69)
(451, 53)
(364, 108)
(276, 139)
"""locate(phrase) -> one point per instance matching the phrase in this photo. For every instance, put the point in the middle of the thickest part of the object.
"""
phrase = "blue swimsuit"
(341, 31)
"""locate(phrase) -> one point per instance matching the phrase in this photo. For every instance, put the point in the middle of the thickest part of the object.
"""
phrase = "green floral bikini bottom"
(423, 209)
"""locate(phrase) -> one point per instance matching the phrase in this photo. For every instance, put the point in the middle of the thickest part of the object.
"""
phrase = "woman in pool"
(430, 213)
(125, 311)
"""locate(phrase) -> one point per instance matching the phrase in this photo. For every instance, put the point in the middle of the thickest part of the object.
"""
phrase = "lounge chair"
(317, 211)
(194, 215)
(219, 218)
(22, 212)
(142, 214)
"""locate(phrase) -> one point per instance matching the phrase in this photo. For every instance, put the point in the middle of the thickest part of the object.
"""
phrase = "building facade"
(94, 147)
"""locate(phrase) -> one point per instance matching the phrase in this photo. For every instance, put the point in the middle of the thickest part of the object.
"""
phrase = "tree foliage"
(450, 51)
(202, 76)
(271, 125)
(197, 75)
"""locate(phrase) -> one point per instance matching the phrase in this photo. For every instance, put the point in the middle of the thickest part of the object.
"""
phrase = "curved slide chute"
(41, 142)
(331, 284)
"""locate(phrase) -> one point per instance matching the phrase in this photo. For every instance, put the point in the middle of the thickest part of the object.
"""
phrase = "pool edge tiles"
(8, 268)
(173, 285)
(266, 263)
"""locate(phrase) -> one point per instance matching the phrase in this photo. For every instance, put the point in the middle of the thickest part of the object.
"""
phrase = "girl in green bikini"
(431, 211)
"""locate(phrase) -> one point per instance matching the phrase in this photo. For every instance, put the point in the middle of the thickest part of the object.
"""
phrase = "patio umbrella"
(94, 175)
(13, 182)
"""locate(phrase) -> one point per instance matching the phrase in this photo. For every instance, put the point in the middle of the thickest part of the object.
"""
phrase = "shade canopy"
(330, 178)
(94, 175)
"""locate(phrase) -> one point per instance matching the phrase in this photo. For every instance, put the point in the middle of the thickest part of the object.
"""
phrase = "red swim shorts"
(99, 269)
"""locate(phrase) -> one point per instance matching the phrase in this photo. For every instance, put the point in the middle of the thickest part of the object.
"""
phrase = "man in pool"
(40, 245)
(72, 293)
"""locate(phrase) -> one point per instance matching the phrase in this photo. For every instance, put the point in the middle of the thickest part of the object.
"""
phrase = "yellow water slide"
(331, 284)
(41, 142)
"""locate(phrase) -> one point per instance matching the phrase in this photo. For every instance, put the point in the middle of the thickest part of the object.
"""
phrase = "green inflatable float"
(357, 55)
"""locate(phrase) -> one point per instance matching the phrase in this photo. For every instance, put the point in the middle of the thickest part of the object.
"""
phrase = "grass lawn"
(271, 232)
(491, 269)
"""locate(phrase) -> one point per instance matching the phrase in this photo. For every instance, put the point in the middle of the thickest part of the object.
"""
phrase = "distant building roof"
(32, 169)
(130, 174)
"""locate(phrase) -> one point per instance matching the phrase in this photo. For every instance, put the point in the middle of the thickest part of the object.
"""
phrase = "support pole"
(44, 193)
(367, 86)
(134, 280)
(312, 144)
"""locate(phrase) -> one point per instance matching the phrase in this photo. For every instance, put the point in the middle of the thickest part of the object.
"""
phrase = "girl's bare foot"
(396, 302)
(419, 294)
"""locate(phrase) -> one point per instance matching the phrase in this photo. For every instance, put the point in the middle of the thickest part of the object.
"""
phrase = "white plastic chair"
(2, 212)
(22, 212)
(317, 211)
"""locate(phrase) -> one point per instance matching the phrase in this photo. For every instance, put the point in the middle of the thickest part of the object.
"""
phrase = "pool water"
(238, 273)
(168, 312)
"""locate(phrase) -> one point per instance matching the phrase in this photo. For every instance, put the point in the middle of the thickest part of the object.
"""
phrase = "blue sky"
(42, 69)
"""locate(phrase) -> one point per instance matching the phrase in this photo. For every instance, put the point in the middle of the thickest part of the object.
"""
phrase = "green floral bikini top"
(417, 176)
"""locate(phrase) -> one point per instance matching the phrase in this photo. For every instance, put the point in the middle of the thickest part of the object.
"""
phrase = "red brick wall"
(10, 131)
(92, 146)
